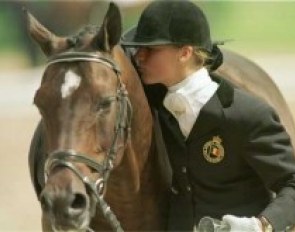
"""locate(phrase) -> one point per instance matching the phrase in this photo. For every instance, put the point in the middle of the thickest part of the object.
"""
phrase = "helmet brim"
(127, 39)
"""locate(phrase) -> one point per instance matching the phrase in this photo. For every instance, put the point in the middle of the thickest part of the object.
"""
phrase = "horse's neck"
(142, 120)
(138, 147)
(134, 187)
(133, 192)
(126, 178)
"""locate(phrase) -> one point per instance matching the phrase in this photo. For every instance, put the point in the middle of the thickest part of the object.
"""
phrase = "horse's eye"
(103, 105)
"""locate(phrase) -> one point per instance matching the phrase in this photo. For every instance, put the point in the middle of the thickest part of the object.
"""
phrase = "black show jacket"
(257, 160)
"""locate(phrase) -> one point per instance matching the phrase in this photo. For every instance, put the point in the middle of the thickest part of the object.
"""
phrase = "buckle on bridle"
(100, 186)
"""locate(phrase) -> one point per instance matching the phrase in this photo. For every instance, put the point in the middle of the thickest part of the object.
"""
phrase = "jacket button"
(183, 169)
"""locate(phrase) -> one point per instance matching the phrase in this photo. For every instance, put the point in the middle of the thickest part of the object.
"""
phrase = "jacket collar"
(225, 92)
(210, 117)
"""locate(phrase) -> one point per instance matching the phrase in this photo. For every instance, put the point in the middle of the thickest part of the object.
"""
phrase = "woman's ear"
(186, 53)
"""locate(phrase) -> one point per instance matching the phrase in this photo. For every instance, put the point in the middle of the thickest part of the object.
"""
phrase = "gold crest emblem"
(213, 150)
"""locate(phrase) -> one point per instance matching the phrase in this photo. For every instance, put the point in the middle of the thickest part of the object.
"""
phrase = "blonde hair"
(201, 57)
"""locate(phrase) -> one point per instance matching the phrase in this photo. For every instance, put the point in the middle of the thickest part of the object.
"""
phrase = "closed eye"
(105, 104)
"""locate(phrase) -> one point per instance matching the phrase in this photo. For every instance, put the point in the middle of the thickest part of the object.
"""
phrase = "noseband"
(68, 158)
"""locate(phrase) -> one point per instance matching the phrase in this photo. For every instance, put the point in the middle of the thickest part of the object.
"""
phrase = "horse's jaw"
(78, 226)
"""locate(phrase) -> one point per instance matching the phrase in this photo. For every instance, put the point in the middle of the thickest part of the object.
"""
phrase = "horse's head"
(86, 113)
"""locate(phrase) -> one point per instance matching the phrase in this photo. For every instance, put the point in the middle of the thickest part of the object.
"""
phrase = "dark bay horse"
(97, 136)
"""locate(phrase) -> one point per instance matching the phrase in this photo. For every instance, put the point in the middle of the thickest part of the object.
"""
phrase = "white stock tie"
(179, 107)
(185, 99)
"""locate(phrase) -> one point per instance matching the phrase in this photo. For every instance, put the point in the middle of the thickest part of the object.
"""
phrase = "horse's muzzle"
(67, 207)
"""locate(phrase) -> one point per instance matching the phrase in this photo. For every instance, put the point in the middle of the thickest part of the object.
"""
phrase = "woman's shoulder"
(243, 105)
(239, 97)
(245, 100)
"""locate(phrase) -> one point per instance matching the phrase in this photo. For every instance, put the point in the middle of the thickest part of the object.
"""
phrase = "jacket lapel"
(212, 114)
(210, 117)
(171, 124)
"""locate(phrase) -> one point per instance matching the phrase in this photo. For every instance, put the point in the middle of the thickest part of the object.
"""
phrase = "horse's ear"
(110, 32)
(48, 41)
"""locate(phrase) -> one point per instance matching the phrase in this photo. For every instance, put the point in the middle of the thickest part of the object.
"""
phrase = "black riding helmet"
(170, 22)
(175, 22)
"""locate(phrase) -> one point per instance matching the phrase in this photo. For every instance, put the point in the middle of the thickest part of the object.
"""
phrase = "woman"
(227, 149)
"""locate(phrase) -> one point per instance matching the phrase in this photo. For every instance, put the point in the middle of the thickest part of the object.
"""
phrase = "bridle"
(68, 158)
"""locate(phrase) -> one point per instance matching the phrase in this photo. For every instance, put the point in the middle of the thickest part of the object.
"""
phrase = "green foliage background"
(251, 26)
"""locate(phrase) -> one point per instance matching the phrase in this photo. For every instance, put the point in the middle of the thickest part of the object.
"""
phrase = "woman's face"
(159, 64)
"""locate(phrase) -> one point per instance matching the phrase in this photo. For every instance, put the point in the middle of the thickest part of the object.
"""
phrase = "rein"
(68, 158)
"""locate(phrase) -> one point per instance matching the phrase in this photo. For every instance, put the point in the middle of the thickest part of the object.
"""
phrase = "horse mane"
(75, 40)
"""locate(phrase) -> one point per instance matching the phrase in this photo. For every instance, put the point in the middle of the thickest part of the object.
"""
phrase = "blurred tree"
(254, 26)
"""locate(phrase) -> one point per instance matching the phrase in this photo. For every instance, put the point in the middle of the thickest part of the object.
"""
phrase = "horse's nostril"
(79, 201)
